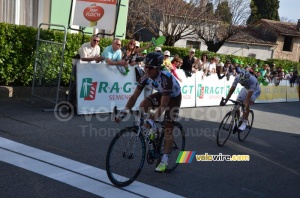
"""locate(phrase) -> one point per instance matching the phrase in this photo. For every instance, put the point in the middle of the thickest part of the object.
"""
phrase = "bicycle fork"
(135, 139)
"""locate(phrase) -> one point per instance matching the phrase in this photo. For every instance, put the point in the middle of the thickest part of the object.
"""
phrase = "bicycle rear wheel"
(177, 147)
(225, 129)
(242, 135)
(125, 157)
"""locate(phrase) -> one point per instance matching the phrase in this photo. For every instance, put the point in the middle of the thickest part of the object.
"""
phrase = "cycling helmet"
(244, 77)
(154, 59)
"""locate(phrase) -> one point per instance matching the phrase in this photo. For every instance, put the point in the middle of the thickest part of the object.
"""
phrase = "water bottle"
(152, 134)
(151, 137)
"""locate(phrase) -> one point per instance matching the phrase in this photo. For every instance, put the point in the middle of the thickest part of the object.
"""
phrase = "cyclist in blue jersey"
(167, 99)
(247, 95)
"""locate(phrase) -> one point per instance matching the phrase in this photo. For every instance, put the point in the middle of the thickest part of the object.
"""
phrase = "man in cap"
(157, 49)
(188, 63)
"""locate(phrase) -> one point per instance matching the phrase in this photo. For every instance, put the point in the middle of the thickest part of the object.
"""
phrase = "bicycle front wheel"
(242, 135)
(225, 129)
(125, 157)
(177, 147)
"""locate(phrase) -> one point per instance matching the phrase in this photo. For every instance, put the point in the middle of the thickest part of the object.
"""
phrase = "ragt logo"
(200, 91)
(88, 89)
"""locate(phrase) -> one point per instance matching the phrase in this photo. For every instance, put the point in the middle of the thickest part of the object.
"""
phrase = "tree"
(187, 19)
(173, 19)
(223, 12)
(285, 19)
(266, 9)
(214, 32)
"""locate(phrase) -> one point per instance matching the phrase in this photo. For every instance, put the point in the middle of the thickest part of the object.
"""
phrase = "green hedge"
(18, 49)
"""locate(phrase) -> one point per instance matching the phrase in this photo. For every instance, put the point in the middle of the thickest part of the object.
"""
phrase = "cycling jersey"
(164, 83)
(251, 85)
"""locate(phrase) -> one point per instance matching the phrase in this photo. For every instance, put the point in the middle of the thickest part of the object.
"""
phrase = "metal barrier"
(48, 66)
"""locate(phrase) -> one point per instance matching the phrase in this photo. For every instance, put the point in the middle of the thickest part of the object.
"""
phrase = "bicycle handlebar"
(234, 102)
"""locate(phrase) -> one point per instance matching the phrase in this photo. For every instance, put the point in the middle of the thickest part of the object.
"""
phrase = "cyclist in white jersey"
(247, 95)
(167, 98)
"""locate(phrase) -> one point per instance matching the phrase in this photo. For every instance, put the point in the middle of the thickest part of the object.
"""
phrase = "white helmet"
(244, 77)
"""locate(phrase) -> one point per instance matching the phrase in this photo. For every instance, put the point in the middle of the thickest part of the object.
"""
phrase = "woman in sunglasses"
(167, 99)
(131, 51)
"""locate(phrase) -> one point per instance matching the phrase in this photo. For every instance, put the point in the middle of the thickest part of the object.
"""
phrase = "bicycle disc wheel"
(177, 147)
(125, 157)
(225, 129)
(242, 135)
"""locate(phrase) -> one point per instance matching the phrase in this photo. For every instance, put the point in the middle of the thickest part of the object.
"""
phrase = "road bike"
(126, 153)
(231, 122)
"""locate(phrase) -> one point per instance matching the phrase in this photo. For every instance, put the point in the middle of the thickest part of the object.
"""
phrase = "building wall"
(60, 11)
(294, 55)
(246, 50)
(122, 20)
(237, 49)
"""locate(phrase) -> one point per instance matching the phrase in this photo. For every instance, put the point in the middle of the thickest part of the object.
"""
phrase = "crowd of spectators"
(132, 54)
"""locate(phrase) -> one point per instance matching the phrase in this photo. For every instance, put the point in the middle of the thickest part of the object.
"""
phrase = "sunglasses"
(96, 40)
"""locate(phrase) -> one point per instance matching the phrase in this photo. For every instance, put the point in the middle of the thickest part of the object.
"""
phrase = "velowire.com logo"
(187, 157)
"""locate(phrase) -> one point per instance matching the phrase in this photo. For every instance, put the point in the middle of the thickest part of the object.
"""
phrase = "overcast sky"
(290, 9)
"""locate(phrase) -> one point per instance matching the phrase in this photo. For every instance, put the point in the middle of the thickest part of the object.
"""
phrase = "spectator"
(132, 50)
(200, 62)
(294, 79)
(158, 49)
(220, 70)
(228, 69)
(173, 67)
(188, 63)
(167, 61)
(268, 74)
(289, 75)
(180, 61)
(256, 73)
(273, 70)
(210, 67)
(90, 51)
(278, 75)
(113, 55)
(263, 71)
(217, 61)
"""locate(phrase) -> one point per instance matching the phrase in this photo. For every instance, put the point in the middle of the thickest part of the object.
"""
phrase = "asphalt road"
(42, 156)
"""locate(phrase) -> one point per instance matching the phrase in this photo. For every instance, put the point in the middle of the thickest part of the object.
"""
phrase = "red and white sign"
(99, 14)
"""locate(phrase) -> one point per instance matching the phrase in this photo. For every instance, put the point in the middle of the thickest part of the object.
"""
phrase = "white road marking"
(76, 174)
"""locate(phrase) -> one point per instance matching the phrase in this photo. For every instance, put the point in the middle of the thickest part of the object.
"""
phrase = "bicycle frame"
(232, 124)
(235, 119)
(139, 125)
(123, 166)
